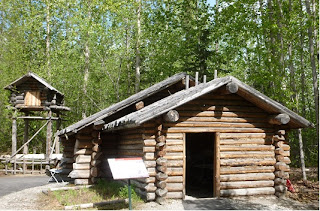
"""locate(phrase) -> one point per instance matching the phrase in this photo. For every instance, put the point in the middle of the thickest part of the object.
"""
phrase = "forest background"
(98, 52)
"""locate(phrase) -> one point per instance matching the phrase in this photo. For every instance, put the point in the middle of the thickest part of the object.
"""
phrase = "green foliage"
(246, 39)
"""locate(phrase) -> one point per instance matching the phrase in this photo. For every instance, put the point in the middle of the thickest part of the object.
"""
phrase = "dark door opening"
(199, 164)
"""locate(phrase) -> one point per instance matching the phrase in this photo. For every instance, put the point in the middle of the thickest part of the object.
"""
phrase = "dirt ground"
(306, 197)
(305, 193)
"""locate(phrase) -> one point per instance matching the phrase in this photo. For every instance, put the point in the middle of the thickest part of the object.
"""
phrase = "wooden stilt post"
(14, 133)
(49, 136)
(58, 128)
(25, 140)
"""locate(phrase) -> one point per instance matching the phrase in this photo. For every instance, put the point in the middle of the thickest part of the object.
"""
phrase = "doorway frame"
(216, 165)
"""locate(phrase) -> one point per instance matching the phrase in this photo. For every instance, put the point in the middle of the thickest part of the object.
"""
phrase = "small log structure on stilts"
(30, 94)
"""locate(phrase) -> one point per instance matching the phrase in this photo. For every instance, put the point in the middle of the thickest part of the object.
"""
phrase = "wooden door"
(32, 98)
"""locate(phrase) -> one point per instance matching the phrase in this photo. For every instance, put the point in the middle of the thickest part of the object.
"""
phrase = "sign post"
(128, 168)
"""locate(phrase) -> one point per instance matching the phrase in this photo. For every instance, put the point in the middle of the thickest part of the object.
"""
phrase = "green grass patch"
(102, 191)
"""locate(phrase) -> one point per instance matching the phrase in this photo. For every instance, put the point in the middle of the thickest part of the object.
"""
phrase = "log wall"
(247, 155)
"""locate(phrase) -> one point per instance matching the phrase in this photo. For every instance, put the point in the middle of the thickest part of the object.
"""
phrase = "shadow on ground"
(221, 204)
(235, 204)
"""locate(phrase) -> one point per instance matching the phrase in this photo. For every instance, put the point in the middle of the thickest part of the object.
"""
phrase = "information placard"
(127, 168)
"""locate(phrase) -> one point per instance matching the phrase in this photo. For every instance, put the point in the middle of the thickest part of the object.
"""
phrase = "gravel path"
(11, 184)
(27, 199)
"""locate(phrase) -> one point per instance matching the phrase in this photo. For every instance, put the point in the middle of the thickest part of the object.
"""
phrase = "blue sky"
(212, 2)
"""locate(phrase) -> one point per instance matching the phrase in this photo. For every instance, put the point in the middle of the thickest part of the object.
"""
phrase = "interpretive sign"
(127, 168)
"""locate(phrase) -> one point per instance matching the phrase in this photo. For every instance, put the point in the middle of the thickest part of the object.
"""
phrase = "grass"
(102, 191)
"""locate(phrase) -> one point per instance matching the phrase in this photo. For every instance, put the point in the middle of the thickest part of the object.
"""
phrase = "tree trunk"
(138, 57)
(314, 69)
(48, 39)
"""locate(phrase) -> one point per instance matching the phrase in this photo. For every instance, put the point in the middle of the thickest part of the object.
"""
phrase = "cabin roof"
(177, 99)
(27, 76)
(123, 104)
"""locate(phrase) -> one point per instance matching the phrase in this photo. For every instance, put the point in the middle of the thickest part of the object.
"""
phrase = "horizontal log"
(286, 147)
(162, 161)
(174, 179)
(139, 105)
(286, 160)
(149, 142)
(150, 163)
(222, 130)
(161, 153)
(161, 192)
(221, 103)
(175, 163)
(247, 161)
(246, 169)
(131, 153)
(82, 181)
(230, 108)
(149, 187)
(161, 176)
(223, 119)
(245, 184)
(248, 191)
(247, 177)
(222, 114)
(160, 200)
(174, 136)
(147, 180)
(240, 141)
(171, 116)
(175, 148)
(161, 138)
(149, 196)
(279, 119)
(279, 181)
(81, 166)
(149, 156)
(170, 142)
(174, 171)
(161, 184)
(160, 145)
(174, 156)
(82, 151)
(247, 148)
(281, 174)
(245, 135)
(248, 154)
(172, 187)
(218, 124)
(162, 169)
(152, 171)
(174, 195)
(83, 144)
(130, 147)
(82, 174)
(83, 159)
(279, 151)
(94, 172)
(149, 149)
(68, 149)
(280, 166)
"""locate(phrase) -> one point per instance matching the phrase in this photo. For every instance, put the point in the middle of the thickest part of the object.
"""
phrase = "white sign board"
(127, 168)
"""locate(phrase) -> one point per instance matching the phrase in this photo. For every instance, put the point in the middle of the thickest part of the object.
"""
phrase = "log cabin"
(32, 95)
(219, 138)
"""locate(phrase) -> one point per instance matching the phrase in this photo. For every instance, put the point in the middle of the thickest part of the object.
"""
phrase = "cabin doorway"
(199, 164)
